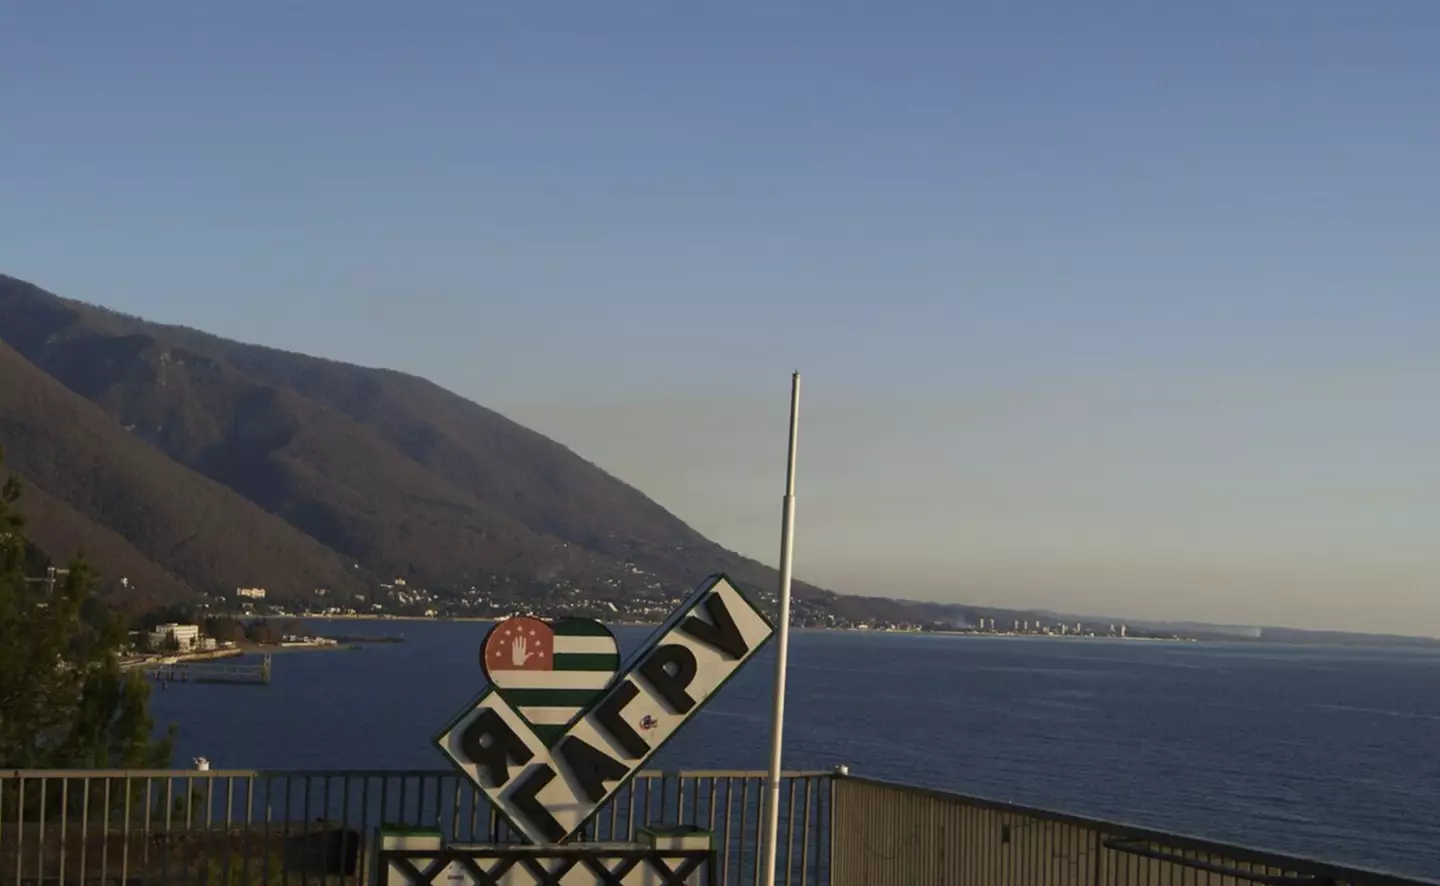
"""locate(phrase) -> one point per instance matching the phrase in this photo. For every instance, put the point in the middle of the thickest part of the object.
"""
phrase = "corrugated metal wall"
(894, 835)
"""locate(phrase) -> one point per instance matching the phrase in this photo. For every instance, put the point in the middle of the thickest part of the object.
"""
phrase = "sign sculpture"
(562, 726)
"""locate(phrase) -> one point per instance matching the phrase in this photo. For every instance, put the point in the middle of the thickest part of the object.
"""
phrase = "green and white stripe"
(586, 659)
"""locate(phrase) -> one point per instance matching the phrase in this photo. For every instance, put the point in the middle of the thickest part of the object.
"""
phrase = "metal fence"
(244, 828)
(886, 834)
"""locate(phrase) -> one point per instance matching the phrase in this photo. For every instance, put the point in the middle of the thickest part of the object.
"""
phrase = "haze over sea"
(1314, 751)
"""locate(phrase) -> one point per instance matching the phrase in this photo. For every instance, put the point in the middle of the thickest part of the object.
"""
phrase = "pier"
(210, 672)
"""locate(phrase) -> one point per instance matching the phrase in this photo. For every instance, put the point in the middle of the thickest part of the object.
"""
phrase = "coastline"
(1011, 635)
(248, 648)
(236, 651)
(435, 618)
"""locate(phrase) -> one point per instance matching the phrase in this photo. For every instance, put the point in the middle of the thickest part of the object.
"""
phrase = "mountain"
(189, 463)
(93, 487)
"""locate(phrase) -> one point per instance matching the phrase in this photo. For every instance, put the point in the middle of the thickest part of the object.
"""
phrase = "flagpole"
(782, 644)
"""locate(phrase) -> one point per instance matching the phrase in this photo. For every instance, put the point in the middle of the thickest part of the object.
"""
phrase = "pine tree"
(64, 702)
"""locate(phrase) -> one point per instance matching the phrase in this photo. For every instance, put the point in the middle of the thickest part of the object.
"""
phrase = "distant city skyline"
(1113, 309)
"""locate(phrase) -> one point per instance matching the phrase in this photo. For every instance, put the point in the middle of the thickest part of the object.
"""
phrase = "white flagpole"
(782, 643)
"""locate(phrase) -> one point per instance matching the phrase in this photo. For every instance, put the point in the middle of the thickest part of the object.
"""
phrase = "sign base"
(423, 858)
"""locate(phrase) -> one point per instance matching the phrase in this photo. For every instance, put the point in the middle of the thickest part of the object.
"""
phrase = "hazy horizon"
(1117, 310)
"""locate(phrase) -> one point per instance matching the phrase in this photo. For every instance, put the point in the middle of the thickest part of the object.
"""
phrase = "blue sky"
(1117, 306)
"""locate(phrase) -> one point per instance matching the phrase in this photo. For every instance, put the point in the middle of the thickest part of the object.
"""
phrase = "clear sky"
(1120, 307)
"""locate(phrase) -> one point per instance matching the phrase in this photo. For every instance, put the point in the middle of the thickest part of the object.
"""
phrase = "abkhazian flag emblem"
(550, 672)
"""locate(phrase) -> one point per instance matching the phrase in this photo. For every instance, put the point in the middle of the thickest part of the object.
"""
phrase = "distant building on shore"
(251, 593)
(186, 636)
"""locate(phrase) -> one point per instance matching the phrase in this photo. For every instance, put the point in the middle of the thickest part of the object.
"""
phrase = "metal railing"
(246, 828)
(885, 834)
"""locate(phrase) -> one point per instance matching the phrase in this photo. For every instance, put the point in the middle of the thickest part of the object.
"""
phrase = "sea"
(1329, 753)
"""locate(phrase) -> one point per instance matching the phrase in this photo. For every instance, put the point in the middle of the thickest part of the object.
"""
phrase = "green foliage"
(213, 873)
(263, 631)
(270, 631)
(175, 613)
(64, 702)
(224, 629)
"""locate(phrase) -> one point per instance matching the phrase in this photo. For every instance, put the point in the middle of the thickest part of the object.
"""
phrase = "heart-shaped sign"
(550, 672)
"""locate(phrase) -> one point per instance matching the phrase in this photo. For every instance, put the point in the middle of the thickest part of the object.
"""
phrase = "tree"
(292, 627)
(224, 629)
(173, 613)
(262, 631)
(64, 702)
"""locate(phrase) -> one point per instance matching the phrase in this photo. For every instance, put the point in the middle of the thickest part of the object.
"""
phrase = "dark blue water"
(1331, 753)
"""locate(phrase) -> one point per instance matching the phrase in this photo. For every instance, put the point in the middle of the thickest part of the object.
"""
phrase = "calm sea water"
(1331, 753)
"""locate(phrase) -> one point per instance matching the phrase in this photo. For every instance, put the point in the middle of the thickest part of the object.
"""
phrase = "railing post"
(1097, 849)
(833, 866)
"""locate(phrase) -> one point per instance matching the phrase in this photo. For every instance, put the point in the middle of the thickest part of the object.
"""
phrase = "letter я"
(503, 745)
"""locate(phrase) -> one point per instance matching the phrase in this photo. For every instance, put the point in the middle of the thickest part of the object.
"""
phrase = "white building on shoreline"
(186, 636)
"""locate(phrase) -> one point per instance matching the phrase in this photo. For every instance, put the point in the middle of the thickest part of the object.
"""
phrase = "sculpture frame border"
(627, 667)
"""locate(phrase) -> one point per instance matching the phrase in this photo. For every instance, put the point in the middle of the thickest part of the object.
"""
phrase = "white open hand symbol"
(518, 655)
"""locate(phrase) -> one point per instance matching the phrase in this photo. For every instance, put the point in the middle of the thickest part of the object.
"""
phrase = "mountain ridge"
(378, 469)
(189, 464)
